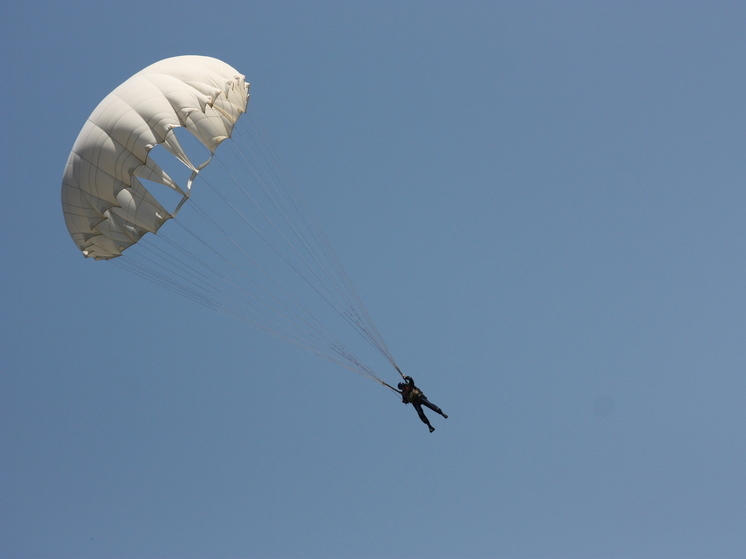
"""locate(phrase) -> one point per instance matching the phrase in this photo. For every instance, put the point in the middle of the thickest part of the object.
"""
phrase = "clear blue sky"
(542, 205)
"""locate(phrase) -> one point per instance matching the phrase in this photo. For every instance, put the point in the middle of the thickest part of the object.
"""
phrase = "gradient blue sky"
(541, 204)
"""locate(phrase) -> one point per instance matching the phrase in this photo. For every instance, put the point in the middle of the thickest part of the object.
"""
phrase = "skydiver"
(410, 394)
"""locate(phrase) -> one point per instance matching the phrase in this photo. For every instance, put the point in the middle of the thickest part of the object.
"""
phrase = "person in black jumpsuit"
(410, 394)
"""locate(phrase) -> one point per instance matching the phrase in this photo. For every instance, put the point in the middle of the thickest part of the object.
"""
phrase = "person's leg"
(433, 407)
(423, 417)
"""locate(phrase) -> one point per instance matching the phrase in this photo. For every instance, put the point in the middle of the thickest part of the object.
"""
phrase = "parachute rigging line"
(245, 244)
(218, 275)
(323, 254)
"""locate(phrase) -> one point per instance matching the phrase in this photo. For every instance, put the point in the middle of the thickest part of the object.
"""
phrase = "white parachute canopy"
(246, 245)
(106, 207)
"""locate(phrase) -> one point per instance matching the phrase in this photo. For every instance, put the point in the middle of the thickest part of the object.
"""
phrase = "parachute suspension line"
(322, 253)
(277, 204)
(355, 309)
(277, 194)
(198, 279)
(366, 322)
(133, 262)
(317, 287)
(156, 268)
(163, 280)
(262, 302)
(310, 335)
(317, 325)
(270, 307)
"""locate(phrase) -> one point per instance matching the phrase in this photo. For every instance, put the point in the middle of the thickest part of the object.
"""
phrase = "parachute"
(218, 254)
(106, 207)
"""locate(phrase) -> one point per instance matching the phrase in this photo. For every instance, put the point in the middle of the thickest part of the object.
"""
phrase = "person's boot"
(431, 428)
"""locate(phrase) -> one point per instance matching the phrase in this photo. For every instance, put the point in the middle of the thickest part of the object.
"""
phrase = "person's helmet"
(401, 386)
